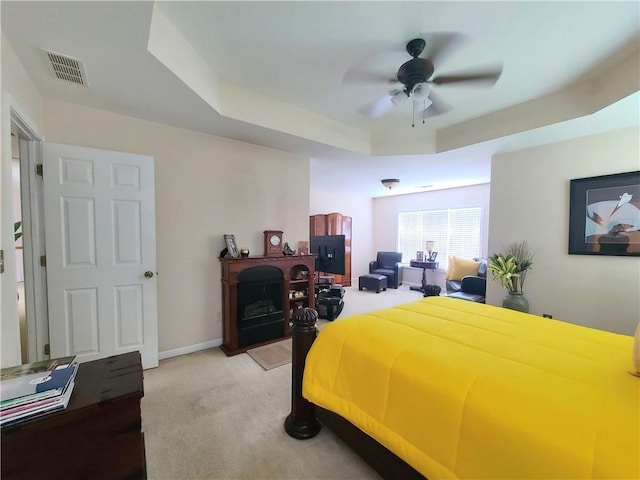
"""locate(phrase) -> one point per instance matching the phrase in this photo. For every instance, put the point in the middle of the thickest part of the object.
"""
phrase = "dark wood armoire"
(334, 224)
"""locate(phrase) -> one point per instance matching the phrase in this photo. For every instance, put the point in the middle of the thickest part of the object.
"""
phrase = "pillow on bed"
(461, 267)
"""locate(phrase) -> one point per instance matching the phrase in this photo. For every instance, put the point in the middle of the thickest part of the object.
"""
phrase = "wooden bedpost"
(301, 422)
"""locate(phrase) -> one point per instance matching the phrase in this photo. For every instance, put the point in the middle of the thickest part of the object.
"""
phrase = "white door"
(99, 211)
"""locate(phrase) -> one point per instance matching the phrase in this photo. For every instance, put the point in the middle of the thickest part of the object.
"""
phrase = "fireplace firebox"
(260, 313)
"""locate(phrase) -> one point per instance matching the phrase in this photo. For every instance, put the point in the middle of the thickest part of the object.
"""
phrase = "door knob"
(148, 274)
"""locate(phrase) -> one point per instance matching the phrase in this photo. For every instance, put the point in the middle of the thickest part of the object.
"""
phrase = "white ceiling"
(301, 58)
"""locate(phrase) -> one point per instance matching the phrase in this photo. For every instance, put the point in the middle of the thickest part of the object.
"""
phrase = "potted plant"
(510, 269)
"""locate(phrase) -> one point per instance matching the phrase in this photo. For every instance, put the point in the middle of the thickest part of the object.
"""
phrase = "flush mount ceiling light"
(390, 182)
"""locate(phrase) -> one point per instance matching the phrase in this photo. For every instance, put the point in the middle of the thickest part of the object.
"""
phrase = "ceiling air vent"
(67, 68)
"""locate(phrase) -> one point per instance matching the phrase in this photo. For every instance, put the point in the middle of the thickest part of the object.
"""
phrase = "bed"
(443, 388)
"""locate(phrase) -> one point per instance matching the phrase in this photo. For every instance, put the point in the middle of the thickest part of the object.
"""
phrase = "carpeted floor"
(209, 416)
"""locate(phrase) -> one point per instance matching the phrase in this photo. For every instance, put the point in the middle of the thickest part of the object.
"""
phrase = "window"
(456, 231)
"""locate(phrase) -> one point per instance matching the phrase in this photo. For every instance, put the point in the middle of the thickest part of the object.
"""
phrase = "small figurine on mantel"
(287, 249)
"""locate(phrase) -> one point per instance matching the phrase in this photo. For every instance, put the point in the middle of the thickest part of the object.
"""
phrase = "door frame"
(33, 236)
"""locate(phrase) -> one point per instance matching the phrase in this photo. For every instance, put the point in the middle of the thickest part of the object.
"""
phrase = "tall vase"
(516, 301)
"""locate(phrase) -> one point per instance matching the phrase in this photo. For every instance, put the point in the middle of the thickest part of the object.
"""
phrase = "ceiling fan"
(416, 79)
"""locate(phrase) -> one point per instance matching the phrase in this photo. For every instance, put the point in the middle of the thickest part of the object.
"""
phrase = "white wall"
(530, 201)
(20, 95)
(360, 211)
(206, 186)
(385, 221)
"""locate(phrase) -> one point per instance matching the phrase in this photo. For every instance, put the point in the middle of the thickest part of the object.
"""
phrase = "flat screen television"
(330, 253)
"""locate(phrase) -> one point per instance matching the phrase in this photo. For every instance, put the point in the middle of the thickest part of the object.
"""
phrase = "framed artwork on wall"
(604, 215)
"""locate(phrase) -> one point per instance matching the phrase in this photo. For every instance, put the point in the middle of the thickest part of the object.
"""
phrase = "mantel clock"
(272, 243)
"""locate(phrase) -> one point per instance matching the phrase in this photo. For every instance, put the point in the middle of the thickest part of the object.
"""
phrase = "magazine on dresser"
(35, 389)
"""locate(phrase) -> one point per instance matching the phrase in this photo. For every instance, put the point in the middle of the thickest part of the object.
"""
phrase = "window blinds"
(456, 231)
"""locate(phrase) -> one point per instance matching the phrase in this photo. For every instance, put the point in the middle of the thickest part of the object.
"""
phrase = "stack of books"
(35, 389)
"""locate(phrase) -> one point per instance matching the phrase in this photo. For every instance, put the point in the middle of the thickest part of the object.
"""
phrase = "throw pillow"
(461, 267)
(449, 267)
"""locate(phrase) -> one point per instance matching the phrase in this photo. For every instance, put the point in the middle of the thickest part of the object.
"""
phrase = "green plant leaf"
(511, 268)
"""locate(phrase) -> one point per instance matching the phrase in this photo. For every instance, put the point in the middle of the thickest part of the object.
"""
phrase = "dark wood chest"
(98, 436)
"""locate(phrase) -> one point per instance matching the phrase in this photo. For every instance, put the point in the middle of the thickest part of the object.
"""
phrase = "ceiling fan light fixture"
(398, 97)
(390, 182)
(420, 92)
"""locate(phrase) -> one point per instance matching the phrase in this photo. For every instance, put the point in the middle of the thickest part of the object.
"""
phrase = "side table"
(424, 266)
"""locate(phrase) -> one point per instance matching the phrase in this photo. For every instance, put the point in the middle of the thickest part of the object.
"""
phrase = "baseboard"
(189, 349)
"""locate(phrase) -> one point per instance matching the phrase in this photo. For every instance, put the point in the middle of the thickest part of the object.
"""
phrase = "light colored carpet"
(366, 300)
(272, 355)
(209, 416)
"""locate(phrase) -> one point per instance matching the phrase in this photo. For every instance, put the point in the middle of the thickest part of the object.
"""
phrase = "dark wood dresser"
(98, 436)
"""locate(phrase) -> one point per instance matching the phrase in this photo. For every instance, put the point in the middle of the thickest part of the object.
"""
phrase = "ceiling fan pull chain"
(413, 119)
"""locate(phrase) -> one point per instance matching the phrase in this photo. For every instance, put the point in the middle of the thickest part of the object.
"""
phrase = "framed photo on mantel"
(303, 247)
(604, 215)
(232, 248)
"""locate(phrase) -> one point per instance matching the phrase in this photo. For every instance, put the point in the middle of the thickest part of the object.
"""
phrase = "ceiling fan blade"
(358, 76)
(440, 45)
(374, 53)
(487, 77)
(377, 108)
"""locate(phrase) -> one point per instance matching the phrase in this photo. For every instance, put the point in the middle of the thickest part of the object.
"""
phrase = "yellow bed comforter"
(465, 390)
